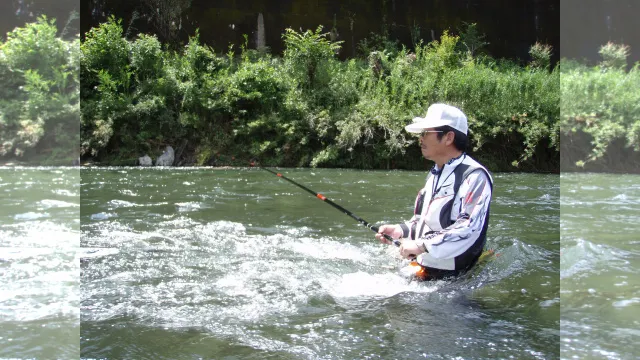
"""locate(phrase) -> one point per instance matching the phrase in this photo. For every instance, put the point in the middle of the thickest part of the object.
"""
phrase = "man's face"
(430, 145)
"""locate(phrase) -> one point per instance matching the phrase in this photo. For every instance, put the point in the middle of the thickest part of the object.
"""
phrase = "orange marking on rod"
(278, 174)
(321, 197)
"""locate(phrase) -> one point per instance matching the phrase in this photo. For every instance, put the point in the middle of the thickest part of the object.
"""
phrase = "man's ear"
(450, 137)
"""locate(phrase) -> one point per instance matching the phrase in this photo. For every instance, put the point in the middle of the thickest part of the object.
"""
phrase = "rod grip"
(395, 242)
(398, 243)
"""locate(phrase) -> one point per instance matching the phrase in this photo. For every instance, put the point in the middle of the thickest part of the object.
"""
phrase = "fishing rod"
(328, 201)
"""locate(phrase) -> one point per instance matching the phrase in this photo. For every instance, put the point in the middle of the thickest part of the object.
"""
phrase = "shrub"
(39, 108)
(614, 56)
(308, 108)
(146, 58)
(306, 53)
(471, 41)
(604, 105)
(540, 56)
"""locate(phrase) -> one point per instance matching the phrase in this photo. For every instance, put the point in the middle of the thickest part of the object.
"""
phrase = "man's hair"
(460, 141)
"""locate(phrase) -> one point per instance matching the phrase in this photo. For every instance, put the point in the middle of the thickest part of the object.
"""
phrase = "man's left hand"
(410, 249)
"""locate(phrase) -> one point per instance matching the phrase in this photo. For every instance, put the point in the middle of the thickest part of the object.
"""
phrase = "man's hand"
(395, 231)
(410, 249)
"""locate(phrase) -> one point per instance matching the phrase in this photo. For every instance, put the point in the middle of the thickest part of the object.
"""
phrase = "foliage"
(39, 100)
(307, 107)
(471, 41)
(540, 56)
(305, 54)
(146, 58)
(381, 43)
(614, 56)
(604, 105)
(104, 48)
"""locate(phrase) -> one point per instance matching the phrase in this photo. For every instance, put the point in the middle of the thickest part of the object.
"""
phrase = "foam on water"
(31, 216)
(38, 284)
(116, 204)
(626, 302)
(251, 277)
(65, 192)
(39, 267)
(327, 249)
(96, 252)
(363, 284)
(586, 258)
(39, 234)
(265, 276)
(48, 204)
(103, 216)
(17, 253)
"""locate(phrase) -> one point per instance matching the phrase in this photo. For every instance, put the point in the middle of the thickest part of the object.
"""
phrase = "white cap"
(439, 115)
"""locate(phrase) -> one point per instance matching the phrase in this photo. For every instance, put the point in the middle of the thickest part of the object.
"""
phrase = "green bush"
(106, 84)
(146, 58)
(605, 105)
(255, 88)
(540, 56)
(105, 49)
(306, 53)
(306, 108)
(614, 56)
(471, 40)
(39, 100)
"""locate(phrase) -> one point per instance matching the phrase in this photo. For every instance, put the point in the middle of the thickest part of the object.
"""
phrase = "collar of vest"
(453, 162)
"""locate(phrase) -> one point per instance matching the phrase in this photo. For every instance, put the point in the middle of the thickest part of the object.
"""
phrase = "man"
(448, 230)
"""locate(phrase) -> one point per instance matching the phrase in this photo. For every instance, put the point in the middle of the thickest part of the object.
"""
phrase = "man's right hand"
(395, 231)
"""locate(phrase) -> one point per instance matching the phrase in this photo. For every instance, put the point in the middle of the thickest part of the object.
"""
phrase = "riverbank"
(306, 108)
(496, 159)
(600, 114)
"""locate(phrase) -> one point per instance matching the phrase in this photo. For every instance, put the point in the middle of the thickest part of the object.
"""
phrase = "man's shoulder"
(476, 171)
(471, 161)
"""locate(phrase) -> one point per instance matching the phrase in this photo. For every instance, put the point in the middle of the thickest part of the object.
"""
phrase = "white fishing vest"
(438, 206)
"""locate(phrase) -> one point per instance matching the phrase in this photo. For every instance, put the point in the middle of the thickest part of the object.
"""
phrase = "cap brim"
(419, 124)
(416, 126)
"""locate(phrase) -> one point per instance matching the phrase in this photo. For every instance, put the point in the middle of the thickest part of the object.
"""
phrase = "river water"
(237, 263)
(39, 262)
(600, 266)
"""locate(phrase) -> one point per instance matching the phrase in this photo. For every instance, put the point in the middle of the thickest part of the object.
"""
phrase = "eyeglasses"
(430, 131)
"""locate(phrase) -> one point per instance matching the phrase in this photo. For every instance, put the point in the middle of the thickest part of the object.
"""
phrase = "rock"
(145, 161)
(167, 157)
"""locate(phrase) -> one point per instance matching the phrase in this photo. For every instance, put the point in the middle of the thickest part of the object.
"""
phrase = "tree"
(165, 16)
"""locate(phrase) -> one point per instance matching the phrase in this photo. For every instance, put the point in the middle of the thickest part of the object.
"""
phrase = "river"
(237, 263)
(39, 262)
(600, 266)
